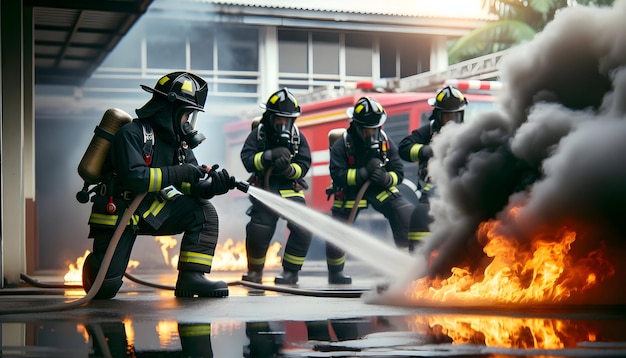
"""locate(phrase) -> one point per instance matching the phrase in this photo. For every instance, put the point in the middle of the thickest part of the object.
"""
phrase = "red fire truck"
(405, 112)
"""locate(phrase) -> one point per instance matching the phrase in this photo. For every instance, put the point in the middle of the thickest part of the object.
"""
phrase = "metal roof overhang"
(71, 38)
(285, 17)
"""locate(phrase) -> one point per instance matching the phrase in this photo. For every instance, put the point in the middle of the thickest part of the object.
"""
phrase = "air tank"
(90, 167)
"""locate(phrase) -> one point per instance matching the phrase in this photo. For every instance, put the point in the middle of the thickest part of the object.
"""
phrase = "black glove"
(272, 155)
(281, 164)
(222, 182)
(381, 177)
(425, 153)
(363, 174)
(187, 172)
(373, 165)
(219, 182)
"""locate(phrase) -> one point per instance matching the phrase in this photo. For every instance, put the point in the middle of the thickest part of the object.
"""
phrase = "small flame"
(74, 274)
(166, 330)
(541, 272)
(229, 256)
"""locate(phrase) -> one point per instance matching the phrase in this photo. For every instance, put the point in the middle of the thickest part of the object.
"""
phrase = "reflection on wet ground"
(144, 322)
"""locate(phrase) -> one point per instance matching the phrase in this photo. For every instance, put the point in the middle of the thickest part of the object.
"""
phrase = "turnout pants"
(196, 218)
(260, 230)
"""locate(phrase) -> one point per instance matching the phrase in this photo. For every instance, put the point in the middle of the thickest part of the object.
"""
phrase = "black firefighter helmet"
(449, 106)
(367, 117)
(185, 93)
(281, 111)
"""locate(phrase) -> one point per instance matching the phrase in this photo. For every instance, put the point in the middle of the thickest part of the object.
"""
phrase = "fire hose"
(106, 261)
(343, 293)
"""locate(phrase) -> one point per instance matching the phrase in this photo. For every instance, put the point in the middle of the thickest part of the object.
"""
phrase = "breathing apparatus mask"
(187, 93)
(282, 127)
(188, 119)
(449, 106)
(368, 116)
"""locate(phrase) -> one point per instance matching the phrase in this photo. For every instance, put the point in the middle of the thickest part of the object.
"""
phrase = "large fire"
(542, 271)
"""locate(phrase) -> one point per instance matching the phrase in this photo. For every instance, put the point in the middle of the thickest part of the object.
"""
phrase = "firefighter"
(448, 106)
(364, 154)
(278, 156)
(153, 154)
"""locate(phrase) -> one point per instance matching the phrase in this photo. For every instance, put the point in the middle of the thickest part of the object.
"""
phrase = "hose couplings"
(242, 185)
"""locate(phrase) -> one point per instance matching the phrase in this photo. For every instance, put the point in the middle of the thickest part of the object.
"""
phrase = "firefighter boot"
(194, 283)
(253, 276)
(338, 278)
(287, 277)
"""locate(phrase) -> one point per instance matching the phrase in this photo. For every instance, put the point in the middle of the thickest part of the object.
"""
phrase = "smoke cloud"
(554, 147)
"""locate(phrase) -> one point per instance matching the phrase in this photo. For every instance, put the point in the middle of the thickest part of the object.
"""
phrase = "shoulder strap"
(148, 141)
(295, 138)
(260, 136)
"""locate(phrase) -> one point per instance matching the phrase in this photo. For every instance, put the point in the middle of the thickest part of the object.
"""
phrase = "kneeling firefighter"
(278, 156)
(153, 154)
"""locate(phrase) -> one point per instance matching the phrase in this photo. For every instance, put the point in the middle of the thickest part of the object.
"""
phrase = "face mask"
(370, 138)
(189, 134)
(283, 131)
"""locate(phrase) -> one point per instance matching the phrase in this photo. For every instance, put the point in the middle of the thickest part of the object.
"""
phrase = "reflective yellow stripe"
(349, 204)
(195, 258)
(290, 193)
(258, 161)
(155, 208)
(394, 178)
(351, 176)
(336, 262)
(156, 179)
(415, 149)
(418, 235)
(296, 260)
(298, 171)
(186, 188)
(383, 195)
(109, 220)
(256, 260)
(195, 330)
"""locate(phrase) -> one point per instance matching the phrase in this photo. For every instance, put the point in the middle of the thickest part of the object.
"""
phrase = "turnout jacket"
(347, 158)
(411, 146)
(130, 172)
(251, 156)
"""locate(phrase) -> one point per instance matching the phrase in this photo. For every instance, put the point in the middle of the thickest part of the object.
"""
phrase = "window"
(165, 47)
(326, 53)
(358, 55)
(238, 49)
(388, 55)
(293, 51)
(201, 43)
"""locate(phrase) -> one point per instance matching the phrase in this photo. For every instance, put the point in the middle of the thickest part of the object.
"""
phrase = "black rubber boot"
(287, 277)
(194, 283)
(253, 276)
(338, 278)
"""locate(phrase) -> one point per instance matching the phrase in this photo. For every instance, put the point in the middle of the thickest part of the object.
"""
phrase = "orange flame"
(74, 274)
(541, 272)
(229, 256)
(505, 332)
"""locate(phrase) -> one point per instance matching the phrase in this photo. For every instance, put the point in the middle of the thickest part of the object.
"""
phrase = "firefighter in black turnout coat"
(364, 154)
(448, 106)
(278, 156)
(153, 154)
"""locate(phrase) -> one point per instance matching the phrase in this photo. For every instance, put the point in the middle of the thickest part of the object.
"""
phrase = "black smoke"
(555, 147)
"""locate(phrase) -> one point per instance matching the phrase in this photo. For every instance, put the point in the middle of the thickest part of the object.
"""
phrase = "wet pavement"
(313, 319)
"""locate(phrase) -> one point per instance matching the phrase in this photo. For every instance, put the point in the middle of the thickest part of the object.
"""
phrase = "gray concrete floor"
(143, 321)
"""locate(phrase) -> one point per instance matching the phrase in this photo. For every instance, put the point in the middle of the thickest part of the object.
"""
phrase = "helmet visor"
(451, 117)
